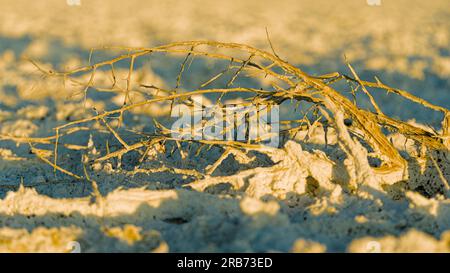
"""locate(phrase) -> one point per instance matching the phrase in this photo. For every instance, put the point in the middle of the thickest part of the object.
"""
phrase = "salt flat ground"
(405, 43)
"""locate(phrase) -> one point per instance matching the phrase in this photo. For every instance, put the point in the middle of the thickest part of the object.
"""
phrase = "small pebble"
(348, 122)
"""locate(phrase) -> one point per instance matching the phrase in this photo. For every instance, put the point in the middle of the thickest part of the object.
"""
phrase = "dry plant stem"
(90, 83)
(55, 152)
(402, 93)
(187, 172)
(369, 127)
(116, 135)
(172, 48)
(446, 130)
(42, 140)
(299, 86)
(372, 100)
(38, 152)
(210, 170)
(270, 43)
(183, 65)
(410, 131)
(167, 98)
(244, 64)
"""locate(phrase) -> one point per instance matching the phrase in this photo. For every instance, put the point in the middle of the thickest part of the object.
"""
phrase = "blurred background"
(405, 43)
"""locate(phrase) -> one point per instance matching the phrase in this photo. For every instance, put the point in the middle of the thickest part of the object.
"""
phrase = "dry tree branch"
(291, 84)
